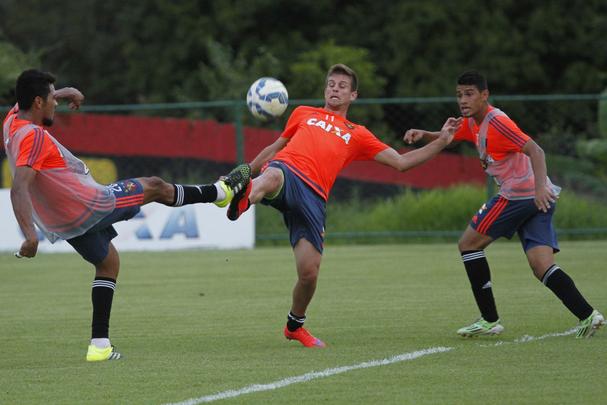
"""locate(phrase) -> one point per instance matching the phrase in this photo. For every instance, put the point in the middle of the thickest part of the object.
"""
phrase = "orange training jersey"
(36, 150)
(500, 143)
(322, 143)
(66, 200)
(503, 135)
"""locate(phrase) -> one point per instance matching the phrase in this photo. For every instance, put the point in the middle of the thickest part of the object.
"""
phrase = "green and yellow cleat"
(590, 325)
(238, 179)
(481, 328)
(95, 353)
(229, 195)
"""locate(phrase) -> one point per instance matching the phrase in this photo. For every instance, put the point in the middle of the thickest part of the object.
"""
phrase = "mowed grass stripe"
(200, 322)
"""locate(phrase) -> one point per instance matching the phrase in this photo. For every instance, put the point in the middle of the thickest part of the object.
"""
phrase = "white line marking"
(367, 364)
(313, 375)
(527, 338)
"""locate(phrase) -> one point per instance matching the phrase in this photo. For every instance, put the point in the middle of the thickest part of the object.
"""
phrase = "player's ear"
(485, 94)
(353, 95)
(38, 102)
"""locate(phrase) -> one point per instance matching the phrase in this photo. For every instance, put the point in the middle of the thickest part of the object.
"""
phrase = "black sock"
(563, 287)
(203, 193)
(479, 275)
(102, 296)
(295, 321)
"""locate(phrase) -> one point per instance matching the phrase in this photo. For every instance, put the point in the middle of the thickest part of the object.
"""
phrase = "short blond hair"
(340, 68)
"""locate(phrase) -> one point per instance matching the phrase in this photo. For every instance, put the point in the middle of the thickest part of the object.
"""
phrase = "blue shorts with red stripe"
(502, 217)
(93, 245)
(303, 209)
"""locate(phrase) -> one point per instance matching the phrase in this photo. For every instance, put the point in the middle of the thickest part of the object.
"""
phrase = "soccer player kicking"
(54, 190)
(299, 169)
(525, 204)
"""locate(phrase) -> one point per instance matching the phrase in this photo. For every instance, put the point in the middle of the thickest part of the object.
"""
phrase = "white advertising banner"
(156, 227)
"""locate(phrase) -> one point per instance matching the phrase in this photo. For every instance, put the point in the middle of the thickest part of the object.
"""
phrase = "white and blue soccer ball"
(267, 98)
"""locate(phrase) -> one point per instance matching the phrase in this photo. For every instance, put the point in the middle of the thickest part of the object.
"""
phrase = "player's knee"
(155, 183)
(539, 269)
(158, 187)
(273, 179)
(309, 275)
(463, 245)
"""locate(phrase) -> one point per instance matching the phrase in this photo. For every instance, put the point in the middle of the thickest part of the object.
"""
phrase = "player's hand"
(413, 135)
(73, 95)
(29, 248)
(545, 198)
(449, 129)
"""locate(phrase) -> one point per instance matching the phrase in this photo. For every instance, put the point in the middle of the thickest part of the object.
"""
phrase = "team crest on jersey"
(129, 187)
(487, 161)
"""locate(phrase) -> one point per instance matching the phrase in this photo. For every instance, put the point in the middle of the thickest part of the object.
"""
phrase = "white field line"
(339, 370)
(312, 376)
(527, 338)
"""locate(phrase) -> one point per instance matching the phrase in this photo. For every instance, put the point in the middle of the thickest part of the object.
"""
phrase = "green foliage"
(603, 114)
(12, 62)
(437, 209)
(309, 71)
(142, 51)
(595, 149)
(432, 210)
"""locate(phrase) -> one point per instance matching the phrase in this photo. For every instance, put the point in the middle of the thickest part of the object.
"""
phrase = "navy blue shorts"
(303, 210)
(93, 245)
(502, 217)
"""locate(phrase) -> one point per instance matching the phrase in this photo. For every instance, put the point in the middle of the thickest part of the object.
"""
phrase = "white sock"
(101, 343)
(221, 194)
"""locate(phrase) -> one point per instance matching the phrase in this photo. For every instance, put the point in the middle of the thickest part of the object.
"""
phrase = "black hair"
(473, 78)
(32, 83)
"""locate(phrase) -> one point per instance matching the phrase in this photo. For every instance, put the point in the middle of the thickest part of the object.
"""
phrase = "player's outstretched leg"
(590, 325)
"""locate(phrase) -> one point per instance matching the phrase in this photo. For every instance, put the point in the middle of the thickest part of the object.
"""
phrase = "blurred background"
(165, 83)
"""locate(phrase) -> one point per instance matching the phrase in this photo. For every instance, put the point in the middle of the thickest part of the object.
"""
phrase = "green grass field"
(197, 323)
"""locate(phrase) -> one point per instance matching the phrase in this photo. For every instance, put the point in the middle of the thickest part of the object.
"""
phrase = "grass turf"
(195, 323)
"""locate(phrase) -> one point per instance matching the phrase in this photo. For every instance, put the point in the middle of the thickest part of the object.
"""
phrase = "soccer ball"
(267, 98)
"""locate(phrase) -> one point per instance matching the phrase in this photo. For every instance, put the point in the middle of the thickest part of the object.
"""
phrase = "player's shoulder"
(352, 126)
(501, 122)
(306, 109)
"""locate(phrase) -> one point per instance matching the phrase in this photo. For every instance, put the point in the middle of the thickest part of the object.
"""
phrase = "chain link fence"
(196, 142)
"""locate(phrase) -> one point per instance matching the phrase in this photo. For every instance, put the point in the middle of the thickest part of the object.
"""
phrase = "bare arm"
(415, 135)
(544, 195)
(267, 153)
(73, 95)
(406, 161)
(22, 207)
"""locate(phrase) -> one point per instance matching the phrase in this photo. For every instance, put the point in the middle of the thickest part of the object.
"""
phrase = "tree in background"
(12, 62)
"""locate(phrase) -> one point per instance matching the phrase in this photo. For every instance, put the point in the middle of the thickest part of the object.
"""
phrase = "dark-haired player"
(525, 205)
(54, 189)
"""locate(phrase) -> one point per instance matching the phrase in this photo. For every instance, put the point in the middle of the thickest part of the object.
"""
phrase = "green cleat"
(95, 353)
(481, 328)
(229, 195)
(590, 325)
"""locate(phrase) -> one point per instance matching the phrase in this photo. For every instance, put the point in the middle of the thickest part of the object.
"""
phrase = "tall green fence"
(564, 125)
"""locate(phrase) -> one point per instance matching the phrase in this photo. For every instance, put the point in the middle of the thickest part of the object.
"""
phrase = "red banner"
(116, 135)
